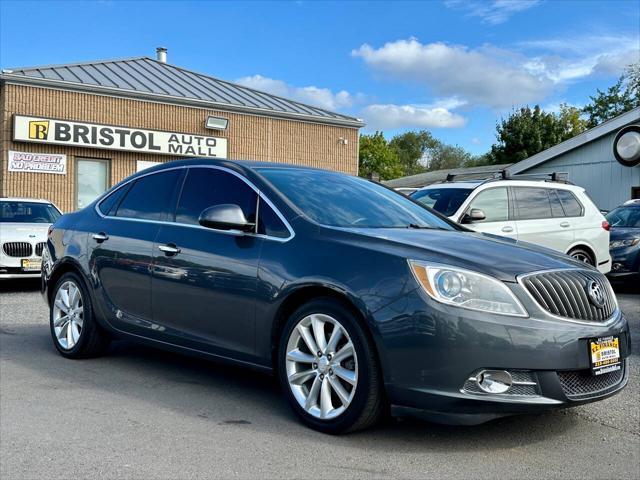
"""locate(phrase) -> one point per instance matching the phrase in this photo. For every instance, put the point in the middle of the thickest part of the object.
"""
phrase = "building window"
(92, 179)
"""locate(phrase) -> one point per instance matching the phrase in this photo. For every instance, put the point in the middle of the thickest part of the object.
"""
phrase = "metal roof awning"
(148, 79)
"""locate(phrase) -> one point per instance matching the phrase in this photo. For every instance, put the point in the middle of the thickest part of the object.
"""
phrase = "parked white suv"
(556, 215)
(24, 223)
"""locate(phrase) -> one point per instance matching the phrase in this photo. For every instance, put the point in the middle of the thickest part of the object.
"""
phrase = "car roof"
(452, 185)
(24, 199)
(506, 182)
(249, 164)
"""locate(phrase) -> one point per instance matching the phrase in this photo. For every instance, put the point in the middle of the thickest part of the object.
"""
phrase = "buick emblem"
(595, 294)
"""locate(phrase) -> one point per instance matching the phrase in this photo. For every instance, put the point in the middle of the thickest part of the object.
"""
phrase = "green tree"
(444, 156)
(619, 98)
(570, 120)
(376, 156)
(412, 148)
(528, 131)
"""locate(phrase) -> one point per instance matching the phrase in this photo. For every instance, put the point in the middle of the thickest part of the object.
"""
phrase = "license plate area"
(604, 354)
(29, 265)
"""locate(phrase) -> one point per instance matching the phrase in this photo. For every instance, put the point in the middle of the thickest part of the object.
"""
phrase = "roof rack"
(497, 175)
(482, 175)
(560, 177)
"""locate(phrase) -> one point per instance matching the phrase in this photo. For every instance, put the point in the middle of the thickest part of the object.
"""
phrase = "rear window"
(150, 197)
(447, 201)
(570, 204)
(109, 205)
(28, 212)
(532, 203)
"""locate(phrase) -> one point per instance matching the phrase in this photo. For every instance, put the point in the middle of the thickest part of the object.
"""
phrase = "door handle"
(100, 237)
(169, 249)
(565, 224)
(507, 229)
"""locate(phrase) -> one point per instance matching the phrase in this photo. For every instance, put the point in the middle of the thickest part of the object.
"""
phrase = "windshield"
(628, 217)
(339, 200)
(447, 201)
(28, 212)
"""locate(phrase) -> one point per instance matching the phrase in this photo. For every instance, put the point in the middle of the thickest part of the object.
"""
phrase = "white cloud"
(390, 116)
(319, 97)
(487, 76)
(568, 59)
(494, 12)
(499, 77)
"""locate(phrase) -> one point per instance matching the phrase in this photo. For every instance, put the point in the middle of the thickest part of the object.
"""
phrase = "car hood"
(23, 232)
(621, 233)
(499, 257)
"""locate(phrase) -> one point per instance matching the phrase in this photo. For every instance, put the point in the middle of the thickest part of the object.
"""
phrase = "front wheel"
(329, 370)
(74, 330)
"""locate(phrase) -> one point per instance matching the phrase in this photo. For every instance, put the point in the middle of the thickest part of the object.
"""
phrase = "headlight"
(629, 242)
(466, 289)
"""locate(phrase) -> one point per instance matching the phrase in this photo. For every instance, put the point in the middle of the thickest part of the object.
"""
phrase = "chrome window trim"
(604, 323)
(235, 233)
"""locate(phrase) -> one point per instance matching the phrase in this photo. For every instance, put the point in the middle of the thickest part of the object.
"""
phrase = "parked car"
(23, 234)
(625, 241)
(356, 296)
(555, 215)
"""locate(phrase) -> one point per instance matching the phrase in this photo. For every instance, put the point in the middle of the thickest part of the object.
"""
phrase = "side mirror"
(225, 217)
(474, 215)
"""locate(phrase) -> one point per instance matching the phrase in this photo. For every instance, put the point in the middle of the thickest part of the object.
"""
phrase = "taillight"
(606, 225)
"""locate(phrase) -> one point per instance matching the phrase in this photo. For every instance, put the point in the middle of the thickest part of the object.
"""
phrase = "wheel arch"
(587, 248)
(303, 294)
(65, 265)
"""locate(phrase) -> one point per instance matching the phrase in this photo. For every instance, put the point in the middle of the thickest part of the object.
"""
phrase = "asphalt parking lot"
(143, 413)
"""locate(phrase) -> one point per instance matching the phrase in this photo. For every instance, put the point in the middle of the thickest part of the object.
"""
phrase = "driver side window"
(206, 187)
(494, 202)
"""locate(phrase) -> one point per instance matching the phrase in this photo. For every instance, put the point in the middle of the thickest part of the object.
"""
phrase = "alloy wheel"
(582, 257)
(321, 366)
(68, 315)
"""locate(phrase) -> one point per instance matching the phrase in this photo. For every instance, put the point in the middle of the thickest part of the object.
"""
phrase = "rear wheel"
(582, 255)
(329, 370)
(73, 328)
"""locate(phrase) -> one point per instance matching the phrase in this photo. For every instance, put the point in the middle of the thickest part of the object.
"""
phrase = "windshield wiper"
(424, 227)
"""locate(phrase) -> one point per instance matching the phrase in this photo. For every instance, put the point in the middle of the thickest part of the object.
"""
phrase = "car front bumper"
(430, 352)
(626, 263)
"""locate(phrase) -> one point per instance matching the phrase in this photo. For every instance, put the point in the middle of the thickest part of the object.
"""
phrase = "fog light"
(494, 381)
(617, 266)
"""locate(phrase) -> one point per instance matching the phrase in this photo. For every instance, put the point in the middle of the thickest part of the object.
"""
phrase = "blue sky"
(452, 67)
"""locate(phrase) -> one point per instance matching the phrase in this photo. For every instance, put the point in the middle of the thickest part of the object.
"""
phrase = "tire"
(582, 255)
(91, 340)
(365, 405)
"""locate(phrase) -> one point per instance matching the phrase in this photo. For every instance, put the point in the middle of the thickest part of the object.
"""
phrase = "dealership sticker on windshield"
(605, 355)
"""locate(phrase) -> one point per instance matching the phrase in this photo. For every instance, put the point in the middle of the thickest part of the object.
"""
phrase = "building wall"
(594, 167)
(250, 137)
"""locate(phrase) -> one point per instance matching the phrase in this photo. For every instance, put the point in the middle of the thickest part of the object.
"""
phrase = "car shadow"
(232, 397)
(19, 285)
(632, 287)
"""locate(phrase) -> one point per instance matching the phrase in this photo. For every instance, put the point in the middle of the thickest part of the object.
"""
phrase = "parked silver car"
(24, 223)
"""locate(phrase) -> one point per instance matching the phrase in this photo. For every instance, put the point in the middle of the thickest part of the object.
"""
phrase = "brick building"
(69, 132)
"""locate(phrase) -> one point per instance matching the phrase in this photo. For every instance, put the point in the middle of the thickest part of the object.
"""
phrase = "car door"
(204, 280)
(494, 202)
(121, 246)
(540, 218)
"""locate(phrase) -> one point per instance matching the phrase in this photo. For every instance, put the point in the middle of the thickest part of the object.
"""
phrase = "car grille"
(578, 384)
(40, 248)
(564, 293)
(17, 249)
